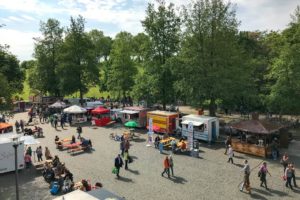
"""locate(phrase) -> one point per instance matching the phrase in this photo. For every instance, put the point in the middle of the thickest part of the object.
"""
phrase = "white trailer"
(7, 155)
(204, 127)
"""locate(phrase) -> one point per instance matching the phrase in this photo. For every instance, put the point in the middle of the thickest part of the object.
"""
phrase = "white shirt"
(230, 152)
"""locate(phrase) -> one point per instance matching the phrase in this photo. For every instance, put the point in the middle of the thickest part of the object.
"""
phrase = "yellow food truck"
(163, 121)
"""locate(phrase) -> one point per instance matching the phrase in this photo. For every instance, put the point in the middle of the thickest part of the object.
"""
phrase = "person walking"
(39, 153)
(118, 164)
(288, 176)
(294, 175)
(17, 125)
(227, 143)
(126, 158)
(246, 182)
(22, 125)
(285, 161)
(171, 164)
(122, 147)
(166, 167)
(79, 131)
(55, 122)
(127, 145)
(263, 175)
(230, 154)
(62, 121)
(161, 147)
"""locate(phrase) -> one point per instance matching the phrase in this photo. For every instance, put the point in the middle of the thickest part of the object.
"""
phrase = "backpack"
(54, 188)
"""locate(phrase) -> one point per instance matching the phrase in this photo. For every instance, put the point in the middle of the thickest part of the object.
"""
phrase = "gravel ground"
(207, 177)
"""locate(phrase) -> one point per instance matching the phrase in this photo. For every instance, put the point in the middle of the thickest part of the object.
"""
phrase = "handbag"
(114, 170)
(259, 173)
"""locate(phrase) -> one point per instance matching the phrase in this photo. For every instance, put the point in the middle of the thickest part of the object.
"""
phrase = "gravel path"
(208, 177)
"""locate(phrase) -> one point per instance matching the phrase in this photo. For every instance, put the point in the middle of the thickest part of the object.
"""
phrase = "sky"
(21, 18)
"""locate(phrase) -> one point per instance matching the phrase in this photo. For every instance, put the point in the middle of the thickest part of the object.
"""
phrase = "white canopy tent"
(58, 104)
(75, 110)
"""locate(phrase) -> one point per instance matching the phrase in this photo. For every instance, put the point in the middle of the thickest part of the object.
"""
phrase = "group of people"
(168, 165)
(20, 125)
(124, 147)
(289, 171)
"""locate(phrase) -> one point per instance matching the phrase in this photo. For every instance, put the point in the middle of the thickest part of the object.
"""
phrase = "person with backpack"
(263, 175)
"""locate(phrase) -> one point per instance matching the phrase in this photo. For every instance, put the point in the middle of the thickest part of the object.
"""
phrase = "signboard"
(150, 126)
(190, 135)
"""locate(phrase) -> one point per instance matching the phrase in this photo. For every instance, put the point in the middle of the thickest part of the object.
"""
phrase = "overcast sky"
(22, 17)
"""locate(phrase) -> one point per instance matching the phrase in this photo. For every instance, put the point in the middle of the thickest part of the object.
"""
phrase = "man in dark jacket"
(118, 164)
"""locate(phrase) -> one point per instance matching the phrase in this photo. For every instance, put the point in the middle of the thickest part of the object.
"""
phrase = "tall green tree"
(47, 50)
(78, 61)
(102, 43)
(162, 25)
(213, 61)
(11, 70)
(285, 71)
(122, 68)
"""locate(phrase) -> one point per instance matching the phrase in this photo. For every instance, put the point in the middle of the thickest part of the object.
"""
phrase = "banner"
(190, 135)
(150, 132)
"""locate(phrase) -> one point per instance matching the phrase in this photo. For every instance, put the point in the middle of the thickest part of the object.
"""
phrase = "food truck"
(6, 128)
(115, 114)
(101, 116)
(135, 113)
(77, 113)
(204, 127)
(7, 154)
(163, 120)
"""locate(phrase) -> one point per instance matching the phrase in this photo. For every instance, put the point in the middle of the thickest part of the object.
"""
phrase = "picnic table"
(167, 142)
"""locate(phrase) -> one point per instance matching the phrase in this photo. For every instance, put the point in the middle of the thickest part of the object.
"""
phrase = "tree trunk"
(212, 107)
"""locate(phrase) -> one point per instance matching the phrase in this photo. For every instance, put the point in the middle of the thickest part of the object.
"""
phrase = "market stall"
(165, 121)
(77, 114)
(204, 127)
(101, 116)
(255, 137)
(137, 114)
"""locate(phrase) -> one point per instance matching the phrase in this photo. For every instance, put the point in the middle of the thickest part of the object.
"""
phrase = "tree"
(214, 67)
(46, 52)
(78, 62)
(102, 43)
(122, 69)
(163, 28)
(5, 94)
(11, 70)
(285, 71)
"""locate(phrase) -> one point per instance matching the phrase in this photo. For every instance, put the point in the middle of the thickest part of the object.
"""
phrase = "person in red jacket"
(166, 167)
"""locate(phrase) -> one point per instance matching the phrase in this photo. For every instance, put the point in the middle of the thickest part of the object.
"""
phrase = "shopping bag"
(114, 170)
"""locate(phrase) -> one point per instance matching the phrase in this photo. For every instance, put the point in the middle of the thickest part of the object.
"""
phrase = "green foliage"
(78, 61)
(163, 28)
(43, 76)
(121, 70)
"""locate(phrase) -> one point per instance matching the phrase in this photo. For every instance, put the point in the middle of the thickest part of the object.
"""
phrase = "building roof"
(137, 108)
(257, 126)
(199, 117)
(164, 113)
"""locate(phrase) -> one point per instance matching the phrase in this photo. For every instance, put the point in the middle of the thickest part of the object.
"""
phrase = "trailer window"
(199, 128)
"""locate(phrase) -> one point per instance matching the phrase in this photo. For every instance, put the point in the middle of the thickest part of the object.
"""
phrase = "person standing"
(39, 153)
(246, 183)
(227, 143)
(127, 145)
(285, 161)
(288, 175)
(27, 160)
(55, 122)
(263, 175)
(156, 141)
(166, 167)
(62, 121)
(126, 156)
(118, 164)
(161, 147)
(17, 124)
(230, 154)
(29, 151)
(171, 164)
(122, 147)
(294, 175)
(79, 131)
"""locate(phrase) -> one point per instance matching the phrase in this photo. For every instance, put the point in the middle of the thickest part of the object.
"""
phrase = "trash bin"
(195, 153)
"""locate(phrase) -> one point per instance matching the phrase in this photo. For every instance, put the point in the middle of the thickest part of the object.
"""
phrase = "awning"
(194, 122)
(129, 112)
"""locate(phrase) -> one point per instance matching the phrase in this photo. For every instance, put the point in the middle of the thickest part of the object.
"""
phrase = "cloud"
(21, 43)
